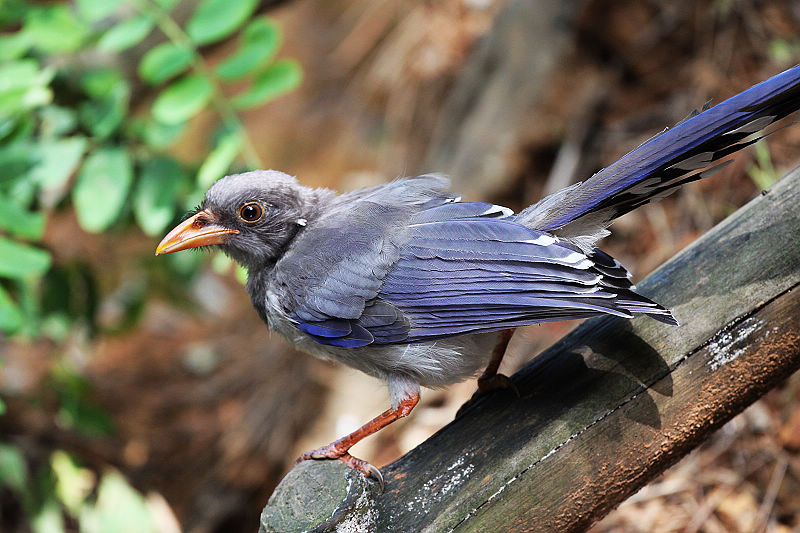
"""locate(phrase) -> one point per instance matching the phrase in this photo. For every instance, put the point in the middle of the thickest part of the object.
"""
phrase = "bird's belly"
(432, 364)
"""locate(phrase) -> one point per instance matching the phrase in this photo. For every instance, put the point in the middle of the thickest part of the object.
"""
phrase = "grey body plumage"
(338, 262)
(357, 230)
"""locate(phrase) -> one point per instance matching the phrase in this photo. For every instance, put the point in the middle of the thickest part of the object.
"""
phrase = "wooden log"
(611, 405)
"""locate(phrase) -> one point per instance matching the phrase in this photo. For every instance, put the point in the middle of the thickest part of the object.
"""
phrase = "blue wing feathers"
(453, 211)
(327, 328)
(430, 269)
(481, 287)
(473, 274)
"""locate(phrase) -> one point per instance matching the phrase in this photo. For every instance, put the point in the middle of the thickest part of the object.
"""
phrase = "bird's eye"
(251, 212)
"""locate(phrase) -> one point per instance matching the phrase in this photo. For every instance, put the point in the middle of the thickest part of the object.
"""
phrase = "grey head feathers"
(283, 202)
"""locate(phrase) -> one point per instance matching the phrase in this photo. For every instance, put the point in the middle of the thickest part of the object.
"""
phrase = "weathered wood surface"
(607, 408)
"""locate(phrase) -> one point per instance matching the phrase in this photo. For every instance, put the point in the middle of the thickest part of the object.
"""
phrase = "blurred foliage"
(70, 137)
(784, 52)
(61, 491)
(762, 171)
(93, 93)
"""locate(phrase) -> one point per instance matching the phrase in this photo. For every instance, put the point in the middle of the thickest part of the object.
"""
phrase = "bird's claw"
(331, 452)
(497, 382)
(487, 385)
(364, 467)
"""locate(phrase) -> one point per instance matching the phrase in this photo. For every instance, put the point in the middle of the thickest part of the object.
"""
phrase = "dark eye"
(251, 212)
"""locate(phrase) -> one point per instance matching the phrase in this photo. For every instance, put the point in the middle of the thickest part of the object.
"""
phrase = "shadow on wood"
(603, 411)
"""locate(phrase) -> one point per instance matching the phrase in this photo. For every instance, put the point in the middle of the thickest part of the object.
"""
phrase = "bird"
(406, 282)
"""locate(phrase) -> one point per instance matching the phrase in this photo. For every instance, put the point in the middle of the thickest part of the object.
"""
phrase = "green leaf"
(67, 294)
(260, 40)
(2, 403)
(20, 261)
(13, 470)
(22, 190)
(103, 117)
(15, 160)
(159, 136)
(57, 121)
(13, 12)
(154, 199)
(14, 45)
(183, 99)
(102, 82)
(126, 34)
(73, 483)
(119, 508)
(110, 92)
(19, 74)
(57, 160)
(20, 222)
(763, 171)
(219, 160)
(76, 410)
(166, 4)
(24, 99)
(23, 86)
(94, 10)
(10, 321)
(101, 189)
(55, 29)
(241, 274)
(279, 78)
(164, 61)
(15, 129)
(216, 19)
(48, 518)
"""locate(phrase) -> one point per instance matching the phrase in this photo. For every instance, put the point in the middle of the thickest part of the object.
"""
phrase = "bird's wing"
(328, 281)
(460, 268)
(477, 275)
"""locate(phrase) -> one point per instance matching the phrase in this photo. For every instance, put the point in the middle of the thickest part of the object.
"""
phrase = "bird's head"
(252, 217)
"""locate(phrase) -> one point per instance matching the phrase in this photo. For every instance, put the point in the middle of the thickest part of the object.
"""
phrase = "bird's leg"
(338, 449)
(490, 380)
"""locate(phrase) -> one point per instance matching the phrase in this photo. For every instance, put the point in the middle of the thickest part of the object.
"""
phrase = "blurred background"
(144, 394)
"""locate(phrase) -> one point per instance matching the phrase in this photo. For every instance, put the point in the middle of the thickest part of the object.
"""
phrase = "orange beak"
(201, 229)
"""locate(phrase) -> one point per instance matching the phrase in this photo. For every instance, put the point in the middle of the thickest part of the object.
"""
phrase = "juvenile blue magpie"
(409, 284)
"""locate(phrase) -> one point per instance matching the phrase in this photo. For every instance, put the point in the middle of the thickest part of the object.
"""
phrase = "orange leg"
(338, 449)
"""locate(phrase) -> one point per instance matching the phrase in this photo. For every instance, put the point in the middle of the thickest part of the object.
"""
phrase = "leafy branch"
(69, 138)
(73, 138)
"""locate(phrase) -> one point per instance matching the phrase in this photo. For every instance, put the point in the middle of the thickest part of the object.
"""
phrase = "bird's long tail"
(674, 157)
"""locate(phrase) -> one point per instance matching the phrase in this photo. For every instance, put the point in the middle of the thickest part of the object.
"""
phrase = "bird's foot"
(486, 385)
(496, 382)
(331, 451)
